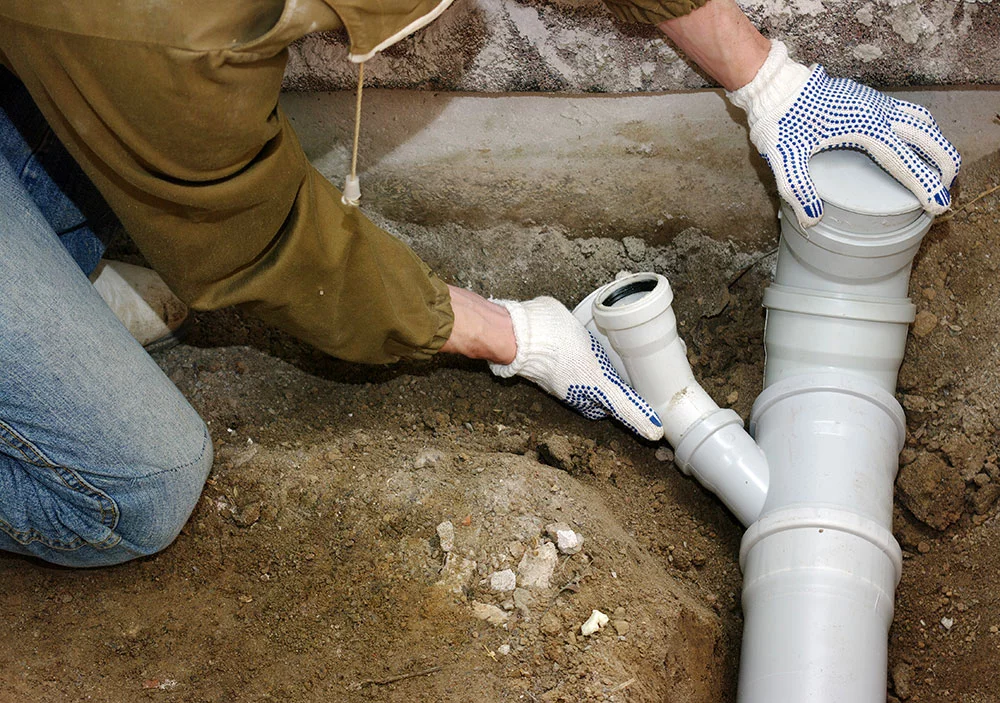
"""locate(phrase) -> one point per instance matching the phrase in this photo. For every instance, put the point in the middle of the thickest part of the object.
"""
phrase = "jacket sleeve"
(194, 155)
(652, 11)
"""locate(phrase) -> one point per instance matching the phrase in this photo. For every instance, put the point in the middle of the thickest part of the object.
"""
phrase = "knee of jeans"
(159, 504)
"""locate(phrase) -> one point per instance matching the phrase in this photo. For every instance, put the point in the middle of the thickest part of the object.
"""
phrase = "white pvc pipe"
(866, 241)
(818, 591)
(811, 331)
(821, 565)
(833, 441)
(633, 316)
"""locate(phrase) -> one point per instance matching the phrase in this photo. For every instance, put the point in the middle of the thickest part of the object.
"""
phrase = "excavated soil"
(313, 568)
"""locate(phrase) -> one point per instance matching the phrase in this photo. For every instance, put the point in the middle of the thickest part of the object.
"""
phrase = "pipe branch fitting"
(821, 565)
(633, 316)
(833, 441)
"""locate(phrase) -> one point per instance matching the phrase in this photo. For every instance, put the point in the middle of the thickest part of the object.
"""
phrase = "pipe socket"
(839, 297)
(633, 316)
(809, 331)
(818, 589)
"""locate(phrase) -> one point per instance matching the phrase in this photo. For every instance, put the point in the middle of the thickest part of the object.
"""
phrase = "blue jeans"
(101, 458)
(50, 175)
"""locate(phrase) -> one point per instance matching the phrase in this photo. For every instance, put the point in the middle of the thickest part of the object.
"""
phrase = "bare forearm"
(721, 40)
(482, 328)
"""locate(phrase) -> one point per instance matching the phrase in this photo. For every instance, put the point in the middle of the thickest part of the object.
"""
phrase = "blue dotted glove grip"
(835, 113)
(593, 403)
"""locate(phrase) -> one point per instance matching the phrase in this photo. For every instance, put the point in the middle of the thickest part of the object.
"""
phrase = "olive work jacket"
(171, 108)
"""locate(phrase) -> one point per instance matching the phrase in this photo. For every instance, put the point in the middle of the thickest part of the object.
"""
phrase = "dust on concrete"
(313, 568)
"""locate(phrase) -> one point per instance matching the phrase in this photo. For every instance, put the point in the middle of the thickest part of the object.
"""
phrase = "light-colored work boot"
(143, 302)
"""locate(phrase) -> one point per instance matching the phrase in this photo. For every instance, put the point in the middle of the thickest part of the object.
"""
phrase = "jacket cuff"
(441, 319)
(372, 28)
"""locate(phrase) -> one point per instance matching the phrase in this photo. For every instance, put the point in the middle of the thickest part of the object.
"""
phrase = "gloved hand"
(795, 112)
(555, 351)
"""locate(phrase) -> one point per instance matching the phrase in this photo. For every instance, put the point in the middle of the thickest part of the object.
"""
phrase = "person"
(73, 208)
(171, 110)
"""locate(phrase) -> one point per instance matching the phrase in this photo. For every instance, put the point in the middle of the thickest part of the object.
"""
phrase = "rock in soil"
(931, 490)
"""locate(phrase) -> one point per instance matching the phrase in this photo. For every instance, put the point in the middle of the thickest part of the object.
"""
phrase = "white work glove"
(795, 112)
(555, 351)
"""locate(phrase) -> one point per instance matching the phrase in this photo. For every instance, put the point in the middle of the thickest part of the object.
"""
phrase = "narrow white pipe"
(636, 316)
(633, 316)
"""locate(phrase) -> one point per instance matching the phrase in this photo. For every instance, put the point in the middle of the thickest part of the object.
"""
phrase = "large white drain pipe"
(819, 560)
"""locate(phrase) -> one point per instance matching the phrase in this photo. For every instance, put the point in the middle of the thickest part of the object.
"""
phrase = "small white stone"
(503, 649)
(536, 566)
(490, 613)
(446, 533)
(947, 623)
(866, 14)
(568, 541)
(595, 622)
(505, 580)
(664, 453)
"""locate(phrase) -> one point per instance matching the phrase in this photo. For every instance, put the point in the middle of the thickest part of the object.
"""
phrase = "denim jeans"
(101, 458)
(51, 176)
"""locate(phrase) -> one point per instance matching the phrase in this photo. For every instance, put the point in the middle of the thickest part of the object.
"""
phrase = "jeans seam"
(33, 456)
(27, 175)
(179, 467)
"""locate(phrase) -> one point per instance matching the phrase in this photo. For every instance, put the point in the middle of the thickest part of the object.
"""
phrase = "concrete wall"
(576, 46)
(646, 168)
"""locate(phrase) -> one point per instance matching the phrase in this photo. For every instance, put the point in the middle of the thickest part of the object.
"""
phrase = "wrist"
(720, 38)
(777, 81)
(481, 330)
(520, 331)
(538, 329)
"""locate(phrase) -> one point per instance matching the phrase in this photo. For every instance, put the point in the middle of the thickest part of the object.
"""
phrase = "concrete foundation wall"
(641, 168)
(576, 46)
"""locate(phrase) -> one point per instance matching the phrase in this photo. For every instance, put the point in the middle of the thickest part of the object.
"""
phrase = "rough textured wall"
(576, 46)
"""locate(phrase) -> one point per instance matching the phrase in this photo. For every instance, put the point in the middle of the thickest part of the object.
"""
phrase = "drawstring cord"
(352, 188)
